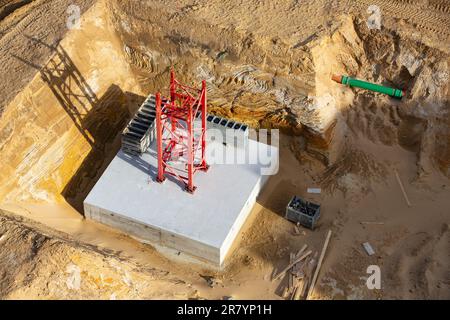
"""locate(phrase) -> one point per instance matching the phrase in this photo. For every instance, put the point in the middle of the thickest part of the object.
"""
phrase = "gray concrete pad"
(204, 225)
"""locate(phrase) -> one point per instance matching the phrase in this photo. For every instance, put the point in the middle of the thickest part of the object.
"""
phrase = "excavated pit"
(58, 151)
(61, 131)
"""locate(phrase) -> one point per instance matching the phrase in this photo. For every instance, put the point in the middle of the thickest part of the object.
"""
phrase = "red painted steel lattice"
(181, 141)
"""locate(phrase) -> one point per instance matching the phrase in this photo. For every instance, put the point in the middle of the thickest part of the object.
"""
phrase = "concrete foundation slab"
(204, 225)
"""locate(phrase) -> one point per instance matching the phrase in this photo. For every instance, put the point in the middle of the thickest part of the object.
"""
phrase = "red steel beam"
(159, 139)
(175, 126)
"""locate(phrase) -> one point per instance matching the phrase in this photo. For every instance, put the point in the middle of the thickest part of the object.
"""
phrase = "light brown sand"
(269, 65)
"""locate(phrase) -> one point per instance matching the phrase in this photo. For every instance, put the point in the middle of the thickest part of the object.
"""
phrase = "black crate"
(303, 212)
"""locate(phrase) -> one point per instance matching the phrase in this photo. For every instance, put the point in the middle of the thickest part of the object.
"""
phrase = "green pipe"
(351, 82)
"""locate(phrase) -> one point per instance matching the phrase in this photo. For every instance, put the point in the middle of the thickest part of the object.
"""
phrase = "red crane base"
(179, 141)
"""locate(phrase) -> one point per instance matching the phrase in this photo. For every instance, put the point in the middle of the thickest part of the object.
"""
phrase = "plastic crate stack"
(303, 212)
(140, 132)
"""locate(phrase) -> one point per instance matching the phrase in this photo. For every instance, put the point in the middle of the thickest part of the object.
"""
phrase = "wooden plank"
(372, 222)
(291, 276)
(316, 273)
(403, 188)
(309, 268)
(285, 293)
(300, 252)
(294, 290)
(305, 287)
(300, 289)
(292, 264)
(273, 274)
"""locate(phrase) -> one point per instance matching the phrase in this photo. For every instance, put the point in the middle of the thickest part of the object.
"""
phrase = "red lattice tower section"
(181, 142)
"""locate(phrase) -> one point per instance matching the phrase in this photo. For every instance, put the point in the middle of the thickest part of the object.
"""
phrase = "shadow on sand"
(99, 120)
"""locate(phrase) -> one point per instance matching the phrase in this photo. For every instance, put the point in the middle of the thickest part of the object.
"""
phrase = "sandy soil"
(21, 21)
(268, 64)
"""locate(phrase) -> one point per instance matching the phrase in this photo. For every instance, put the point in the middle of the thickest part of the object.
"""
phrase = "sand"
(268, 65)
